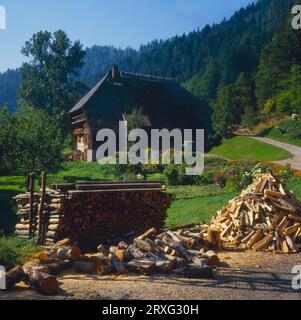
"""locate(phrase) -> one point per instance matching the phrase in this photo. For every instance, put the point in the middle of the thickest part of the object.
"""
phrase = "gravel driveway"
(244, 275)
(295, 161)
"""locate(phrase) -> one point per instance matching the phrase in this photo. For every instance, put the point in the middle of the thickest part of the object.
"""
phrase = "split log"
(144, 246)
(144, 267)
(56, 268)
(43, 283)
(135, 253)
(123, 255)
(164, 266)
(214, 237)
(122, 245)
(105, 269)
(182, 251)
(97, 259)
(264, 243)
(117, 264)
(84, 267)
(149, 233)
(212, 258)
(101, 249)
(65, 253)
(14, 276)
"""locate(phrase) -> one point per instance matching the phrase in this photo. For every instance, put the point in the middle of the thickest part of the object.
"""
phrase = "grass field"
(196, 210)
(245, 148)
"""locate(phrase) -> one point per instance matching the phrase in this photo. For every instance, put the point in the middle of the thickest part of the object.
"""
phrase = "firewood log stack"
(265, 217)
(172, 252)
(52, 212)
(95, 218)
(96, 213)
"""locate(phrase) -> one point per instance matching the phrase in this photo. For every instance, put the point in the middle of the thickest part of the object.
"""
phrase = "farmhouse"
(164, 104)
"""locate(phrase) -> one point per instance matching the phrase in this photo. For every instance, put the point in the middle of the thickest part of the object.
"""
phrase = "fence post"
(41, 229)
(31, 203)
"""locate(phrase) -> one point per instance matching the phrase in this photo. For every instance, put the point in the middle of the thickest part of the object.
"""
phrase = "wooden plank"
(41, 229)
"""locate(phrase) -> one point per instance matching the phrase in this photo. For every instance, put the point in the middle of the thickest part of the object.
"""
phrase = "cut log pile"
(93, 213)
(172, 252)
(51, 214)
(265, 217)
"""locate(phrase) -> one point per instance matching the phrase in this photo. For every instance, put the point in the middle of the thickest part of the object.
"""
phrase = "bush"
(292, 127)
(220, 179)
(215, 161)
(284, 103)
(238, 182)
(156, 177)
(14, 251)
(206, 177)
(172, 175)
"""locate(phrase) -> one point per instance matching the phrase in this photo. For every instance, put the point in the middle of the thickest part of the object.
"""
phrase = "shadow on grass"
(8, 217)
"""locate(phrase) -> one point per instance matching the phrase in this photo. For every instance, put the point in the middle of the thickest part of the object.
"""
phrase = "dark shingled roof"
(165, 102)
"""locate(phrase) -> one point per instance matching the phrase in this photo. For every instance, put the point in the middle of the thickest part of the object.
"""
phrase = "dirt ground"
(243, 275)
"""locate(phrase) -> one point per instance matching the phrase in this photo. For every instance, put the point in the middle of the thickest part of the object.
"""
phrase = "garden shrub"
(15, 251)
(156, 177)
(172, 175)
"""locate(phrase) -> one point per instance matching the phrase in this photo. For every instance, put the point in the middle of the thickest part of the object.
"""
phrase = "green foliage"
(197, 210)
(204, 60)
(294, 185)
(238, 182)
(287, 131)
(283, 104)
(49, 79)
(135, 119)
(31, 140)
(172, 175)
(14, 251)
(206, 177)
(156, 177)
(276, 62)
(9, 83)
(225, 113)
(235, 104)
(205, 86)
(269, 107)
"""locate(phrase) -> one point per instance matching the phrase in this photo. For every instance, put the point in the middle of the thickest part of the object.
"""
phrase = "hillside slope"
(204, 60)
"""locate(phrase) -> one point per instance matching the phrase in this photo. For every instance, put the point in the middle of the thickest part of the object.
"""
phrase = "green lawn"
(196, 210)
(195, 204)
(294, 185)
(245, 148)
(74, 171)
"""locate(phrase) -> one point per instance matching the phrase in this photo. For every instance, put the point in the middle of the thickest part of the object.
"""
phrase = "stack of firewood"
(265, 217)
(92, 214)
(52, 212)
(172, 252)
(94, 218)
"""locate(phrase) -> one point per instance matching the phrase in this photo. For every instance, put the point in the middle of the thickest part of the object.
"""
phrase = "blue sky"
(120, 23)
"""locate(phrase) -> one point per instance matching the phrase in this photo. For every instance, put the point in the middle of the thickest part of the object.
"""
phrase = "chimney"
(115, 72)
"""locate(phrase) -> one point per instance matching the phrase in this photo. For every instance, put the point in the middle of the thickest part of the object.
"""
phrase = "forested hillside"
(9, 83)
(216, 63)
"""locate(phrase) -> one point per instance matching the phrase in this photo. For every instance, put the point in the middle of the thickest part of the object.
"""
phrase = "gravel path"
(244, 275)
(295, 161)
